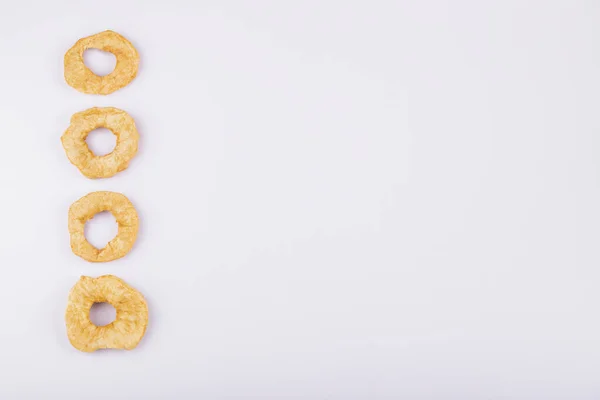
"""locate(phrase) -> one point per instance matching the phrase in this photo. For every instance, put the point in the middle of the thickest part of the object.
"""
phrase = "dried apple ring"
(125, 332)
(91, 204)
(79, 154)
(80, 77)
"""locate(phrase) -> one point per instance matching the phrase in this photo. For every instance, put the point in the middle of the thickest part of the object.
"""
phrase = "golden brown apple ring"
(83, 79)
(79, 154)
(125, 332)
(91, 204)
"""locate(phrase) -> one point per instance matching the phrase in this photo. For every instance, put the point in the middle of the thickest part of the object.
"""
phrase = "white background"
(338, 200)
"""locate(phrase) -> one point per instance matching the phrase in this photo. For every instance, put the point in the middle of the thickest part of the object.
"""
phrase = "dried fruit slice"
(129, 326)
(119, 123)
(91, 204)
(80, 77)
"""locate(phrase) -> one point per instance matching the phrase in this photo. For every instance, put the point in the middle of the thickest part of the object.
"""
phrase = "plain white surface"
(338, 200)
